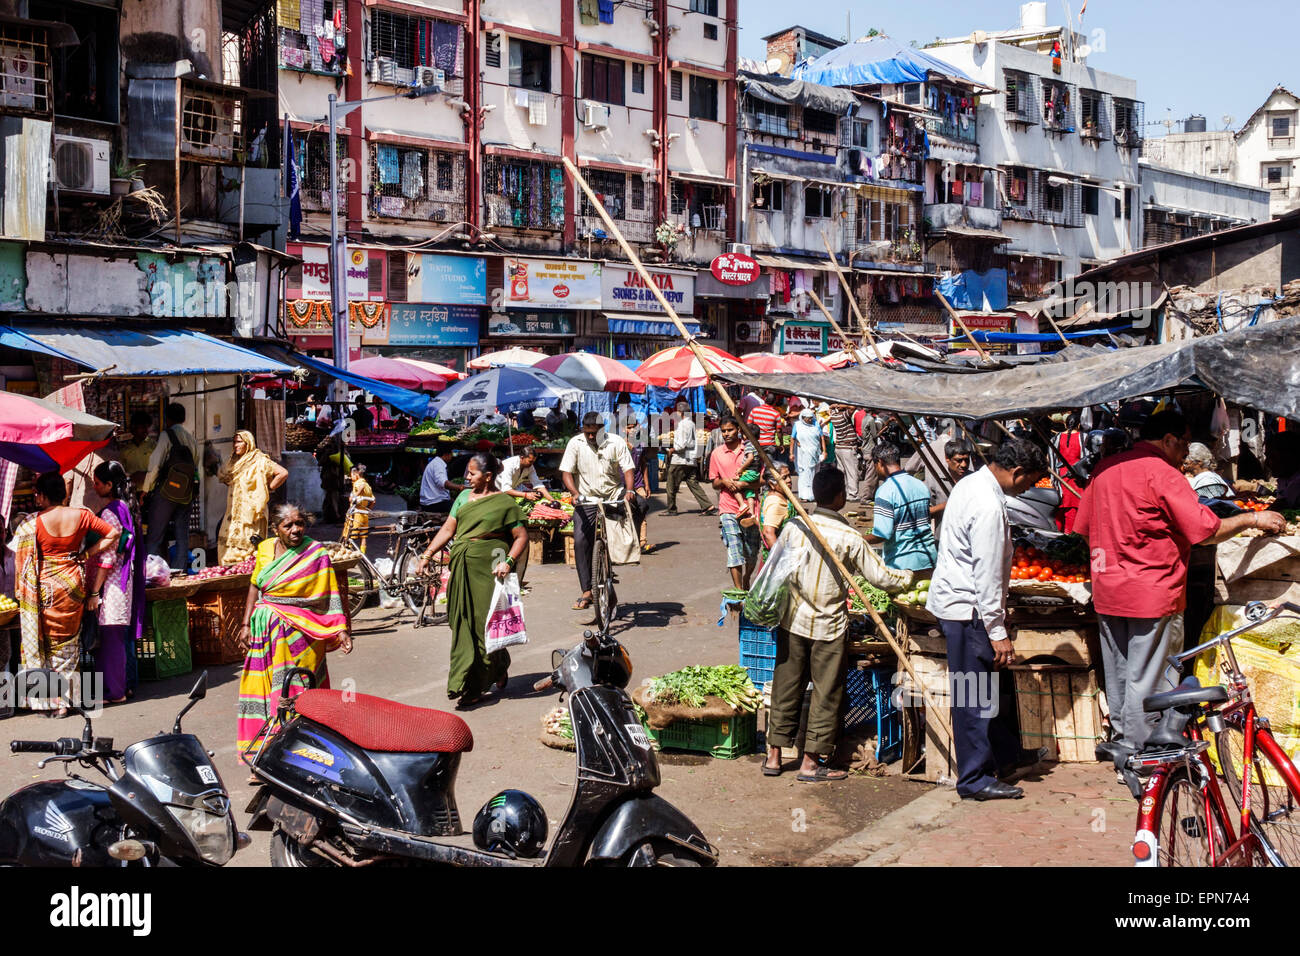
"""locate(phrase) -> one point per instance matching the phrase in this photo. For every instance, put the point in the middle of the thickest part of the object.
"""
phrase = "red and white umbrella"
(767, 363)
(679, 368)
(449, 374)
(507, 357)
(592, 373)
(401, 374)
(45, 436)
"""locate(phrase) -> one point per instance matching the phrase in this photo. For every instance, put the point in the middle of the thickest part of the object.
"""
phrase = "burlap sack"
(658, 715)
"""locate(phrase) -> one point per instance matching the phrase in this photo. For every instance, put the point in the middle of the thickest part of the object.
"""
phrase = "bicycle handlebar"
(1272, 613)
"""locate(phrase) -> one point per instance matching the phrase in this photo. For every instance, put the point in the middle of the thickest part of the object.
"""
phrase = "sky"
(1194, 56)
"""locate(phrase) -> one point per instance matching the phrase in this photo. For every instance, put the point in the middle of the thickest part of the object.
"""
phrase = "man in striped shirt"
(767, 422)
(902, 514)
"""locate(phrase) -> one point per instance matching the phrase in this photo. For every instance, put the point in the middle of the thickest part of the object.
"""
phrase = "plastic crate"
(866, 700)
(757, 650)
(164, 649)
(727, 739)
(215, 619)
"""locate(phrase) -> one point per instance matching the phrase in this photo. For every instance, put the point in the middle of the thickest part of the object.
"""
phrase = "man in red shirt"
(742, 540)
(767, 422)
(1141, 518)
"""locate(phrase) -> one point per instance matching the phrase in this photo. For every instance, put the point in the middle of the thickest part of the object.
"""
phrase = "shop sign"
(530, 323)
(316, 272)
(626, 291)
(751, 333)
(452, 280)
(552, 283)
(802, 338)
(990, 323)
(734, 268)
(416, 323)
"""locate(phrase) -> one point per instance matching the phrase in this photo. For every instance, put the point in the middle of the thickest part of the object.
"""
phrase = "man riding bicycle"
(593, 465)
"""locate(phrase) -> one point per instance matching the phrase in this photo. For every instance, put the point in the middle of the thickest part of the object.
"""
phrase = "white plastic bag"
(505, 622)
(621, 538)
(156, 572)
(387, 600)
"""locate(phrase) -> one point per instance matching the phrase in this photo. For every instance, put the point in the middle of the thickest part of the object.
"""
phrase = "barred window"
(610, 188)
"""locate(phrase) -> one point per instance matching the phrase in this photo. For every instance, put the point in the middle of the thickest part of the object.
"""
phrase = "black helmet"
(511, 821)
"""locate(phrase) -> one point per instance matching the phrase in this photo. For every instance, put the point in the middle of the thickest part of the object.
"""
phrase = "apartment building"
(1267, 154)
(1180, 205)
(639, 94)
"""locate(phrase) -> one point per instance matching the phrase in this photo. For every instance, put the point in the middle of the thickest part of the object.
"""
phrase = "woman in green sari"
(489, 537)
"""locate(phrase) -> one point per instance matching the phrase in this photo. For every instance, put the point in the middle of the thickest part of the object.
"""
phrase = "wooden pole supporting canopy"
(932, 710)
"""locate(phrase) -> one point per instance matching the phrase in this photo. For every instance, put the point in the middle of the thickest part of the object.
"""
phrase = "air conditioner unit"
(209, 124)
(431, 77)
(740, 248)
(81, 164)
(595, 116)
(383, 69)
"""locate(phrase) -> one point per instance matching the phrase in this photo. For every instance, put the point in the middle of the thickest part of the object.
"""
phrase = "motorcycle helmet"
(511, 821)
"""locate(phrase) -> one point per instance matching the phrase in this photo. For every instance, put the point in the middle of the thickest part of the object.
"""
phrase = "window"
(399, 179)
(493, 53)
(1018, 186)
(416, 41)
(677, 198)
(521, 194)
(602, 79)
(83, 76)
(397, 277)
(311, 152)
(530, 65)
(636, 195)
(710, 31)
(880, 221)
(817, 202)
(1090, 114)
(704, 97)
(1019, 102)
(816, 122)
(912, 94)
(1057, 105)
(770, 196)
(1274, 176)
(675, 85)
(861, 135)
(707, 7)
(610, 188)
(302, 25)
(638, 77)
(1128, 123)
(1090, 197)
(765, 117)
(1053, 196)
(1281, 126)
(443, 181)
(1130, 195)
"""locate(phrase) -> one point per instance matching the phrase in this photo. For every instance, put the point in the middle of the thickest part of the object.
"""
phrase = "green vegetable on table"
(878, 598)
(691, 685)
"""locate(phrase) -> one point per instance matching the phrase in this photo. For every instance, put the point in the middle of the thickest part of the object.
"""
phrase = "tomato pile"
(1251, 505)
(1031, 564)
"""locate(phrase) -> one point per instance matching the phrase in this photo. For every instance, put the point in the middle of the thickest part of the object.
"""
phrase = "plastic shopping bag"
(767, 597)
(505, 622)
(156, 572)
(621, 537)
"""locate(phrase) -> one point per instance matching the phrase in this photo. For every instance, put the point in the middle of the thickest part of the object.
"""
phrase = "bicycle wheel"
(1185, 829)
(361, 585)
(419, 592)
(602, 587)
(1274, 808)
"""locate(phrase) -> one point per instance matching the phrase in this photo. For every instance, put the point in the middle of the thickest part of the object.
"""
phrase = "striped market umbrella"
(44, 436)
(401, 374)
(509, 388)
(507, 357)
(593, 373)
(678, 367)
(449, 374)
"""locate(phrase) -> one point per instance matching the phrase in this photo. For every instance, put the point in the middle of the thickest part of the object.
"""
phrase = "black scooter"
(353, 780)
(164, 803)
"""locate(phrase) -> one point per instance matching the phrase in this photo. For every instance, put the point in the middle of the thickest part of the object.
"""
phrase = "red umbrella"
(44, 436)
(678, 368)
(449, 374)
(766, 362)
(593, 373)
(401, 374)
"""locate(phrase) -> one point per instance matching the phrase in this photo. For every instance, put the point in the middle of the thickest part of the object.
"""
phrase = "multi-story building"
(639, 94)
(1179, 205)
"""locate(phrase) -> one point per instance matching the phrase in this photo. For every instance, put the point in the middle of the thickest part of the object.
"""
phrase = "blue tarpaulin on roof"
(875, 60)
(413, 403)
(995, 338)
(968, 289)
(138, 352)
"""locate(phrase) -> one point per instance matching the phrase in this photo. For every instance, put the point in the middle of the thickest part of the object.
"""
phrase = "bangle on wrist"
(510, 560)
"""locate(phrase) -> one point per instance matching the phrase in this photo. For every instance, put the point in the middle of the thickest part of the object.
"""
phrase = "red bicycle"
(1183, 818)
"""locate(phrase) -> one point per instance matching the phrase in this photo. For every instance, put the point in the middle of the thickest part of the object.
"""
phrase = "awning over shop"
(1258, 367)
(413, 403)
(791, 262)
(701, 178)
(135, 352)
(773, 174)
(970, 232)
(632, 323)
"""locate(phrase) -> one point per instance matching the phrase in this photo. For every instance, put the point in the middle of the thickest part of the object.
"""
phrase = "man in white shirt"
(519, 479)
(435, 489)
(162, 513)
(594, 466)
(683, 465)
(968, 595)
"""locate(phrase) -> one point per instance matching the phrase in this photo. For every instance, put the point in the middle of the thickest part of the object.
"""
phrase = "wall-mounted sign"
(734, 268)
(552, 283)
(626, 291)
(316, 272)
(451, 280)
(452, 326)
(530, 323)
(802, 338)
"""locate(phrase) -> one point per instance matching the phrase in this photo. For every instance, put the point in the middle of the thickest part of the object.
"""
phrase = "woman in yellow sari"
(252, 476)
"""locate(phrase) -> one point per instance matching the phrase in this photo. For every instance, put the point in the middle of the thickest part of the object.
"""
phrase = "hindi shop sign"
(734, 268)
(316, 272)
(531, 323)
(802, 338)
(450, 326)
(552, 283)
(626, 291)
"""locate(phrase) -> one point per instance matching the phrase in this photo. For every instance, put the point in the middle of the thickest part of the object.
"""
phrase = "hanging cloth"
(606, 8)
(446, 41)
(537, 109)
(389, 173)
(412, 175)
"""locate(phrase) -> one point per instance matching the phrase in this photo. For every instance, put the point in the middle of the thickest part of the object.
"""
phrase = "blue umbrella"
(510, 388)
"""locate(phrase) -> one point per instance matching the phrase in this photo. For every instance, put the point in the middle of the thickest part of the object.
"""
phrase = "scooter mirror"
(200, 687)
(557, 658)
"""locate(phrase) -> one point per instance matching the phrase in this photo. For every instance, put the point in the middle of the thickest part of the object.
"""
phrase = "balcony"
(1283, 183)
(1281, 142)
(940, 216)
(952, 129)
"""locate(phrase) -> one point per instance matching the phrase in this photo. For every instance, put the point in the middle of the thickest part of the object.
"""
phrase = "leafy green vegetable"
(690, 685)
(878, 598)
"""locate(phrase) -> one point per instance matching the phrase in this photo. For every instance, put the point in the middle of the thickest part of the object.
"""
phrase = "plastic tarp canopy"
(1005, 338)
(1256, 367)
(969, 289)
(875, 60)
(413, 403)
(139, 352)
(791, 92)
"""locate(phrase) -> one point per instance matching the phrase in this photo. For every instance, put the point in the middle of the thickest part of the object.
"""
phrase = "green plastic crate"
(727, 739)
(164, 649)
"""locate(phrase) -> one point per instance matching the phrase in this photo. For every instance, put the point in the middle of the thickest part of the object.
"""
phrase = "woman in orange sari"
(51, 586)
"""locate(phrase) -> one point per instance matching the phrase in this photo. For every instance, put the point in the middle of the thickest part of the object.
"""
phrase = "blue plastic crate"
(757, 651)
(867, 699)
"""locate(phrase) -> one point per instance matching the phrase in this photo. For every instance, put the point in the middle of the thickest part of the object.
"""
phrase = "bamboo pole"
(848, 294)
(932, 711)
(961, 322)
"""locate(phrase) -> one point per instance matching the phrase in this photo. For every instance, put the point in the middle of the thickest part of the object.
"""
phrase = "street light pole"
(338, 267)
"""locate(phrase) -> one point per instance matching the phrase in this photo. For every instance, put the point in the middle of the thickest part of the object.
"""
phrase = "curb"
(889, 837)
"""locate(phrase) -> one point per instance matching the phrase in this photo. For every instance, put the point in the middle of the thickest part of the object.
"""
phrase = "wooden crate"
(1071, 645)
(215, 620)
(917, 636)
(1059, 708)
(569, 554)
(537, 540)
(940, 753)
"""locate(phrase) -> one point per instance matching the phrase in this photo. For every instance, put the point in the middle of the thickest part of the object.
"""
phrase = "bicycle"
(408, 538)
(1183, 819)
(604, 596)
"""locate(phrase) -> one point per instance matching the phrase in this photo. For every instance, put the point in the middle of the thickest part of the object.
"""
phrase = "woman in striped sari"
(296, 613)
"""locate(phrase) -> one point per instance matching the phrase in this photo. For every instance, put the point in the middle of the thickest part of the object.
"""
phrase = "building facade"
(1179, 205)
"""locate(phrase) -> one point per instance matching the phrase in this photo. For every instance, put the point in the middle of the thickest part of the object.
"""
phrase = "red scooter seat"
(378, 724)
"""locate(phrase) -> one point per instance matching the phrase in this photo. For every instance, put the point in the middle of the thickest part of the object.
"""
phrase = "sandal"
(647, 549)
(772, 771)
(823, 774)
(582, 604)
(709, 511)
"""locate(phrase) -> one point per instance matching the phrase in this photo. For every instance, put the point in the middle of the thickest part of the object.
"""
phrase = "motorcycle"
(164, 803)
(354, 780)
